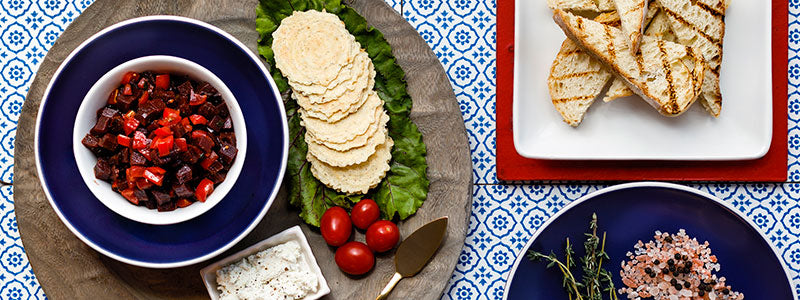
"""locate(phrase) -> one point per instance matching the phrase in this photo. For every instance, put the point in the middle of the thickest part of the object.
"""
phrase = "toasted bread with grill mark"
(658, 27)
(666, 75)
(573, 5)
(576, 79)
(700, 24)
(632, 14)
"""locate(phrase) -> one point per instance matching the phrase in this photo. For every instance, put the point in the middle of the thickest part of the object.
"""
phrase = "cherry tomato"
(335, 226)
(364, 213)
(354, 258)
(382, 236)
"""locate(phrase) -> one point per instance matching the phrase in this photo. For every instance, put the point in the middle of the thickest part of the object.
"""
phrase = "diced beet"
(163, 94)
(215, 167)
(101, 126)
(211, 142)
(228, 137)
(160, 197)
(228, 152)
(183, 191)
(150, 204)
(207, 110)
(216, 123)
(228, 123)
(108, 141)
(207, 88)
(178, 130)
(140, 195)
(124, 101)
(90, 141)
(102, 170)
(137, 159)
(109, 112)
(185, 88)
(183, 175)
(222, 110)
(204, 142)
(217, 178)
(169, 206)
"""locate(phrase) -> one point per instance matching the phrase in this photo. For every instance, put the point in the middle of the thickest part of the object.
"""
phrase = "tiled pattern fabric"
(504, 217)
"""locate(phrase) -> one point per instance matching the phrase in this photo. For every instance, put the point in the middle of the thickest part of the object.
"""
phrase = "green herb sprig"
(595, 280)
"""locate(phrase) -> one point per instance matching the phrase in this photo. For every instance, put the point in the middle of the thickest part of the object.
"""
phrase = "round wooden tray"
(69, 269)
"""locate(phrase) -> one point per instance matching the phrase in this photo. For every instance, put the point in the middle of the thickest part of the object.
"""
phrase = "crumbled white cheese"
(280, 272)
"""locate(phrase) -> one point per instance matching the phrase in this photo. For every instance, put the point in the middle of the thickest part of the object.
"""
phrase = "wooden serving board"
(69, 269)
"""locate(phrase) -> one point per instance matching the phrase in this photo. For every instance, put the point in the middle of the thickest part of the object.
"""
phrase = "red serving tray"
(771, 168)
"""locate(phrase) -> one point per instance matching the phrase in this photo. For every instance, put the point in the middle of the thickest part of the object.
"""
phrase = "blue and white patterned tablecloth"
(462, 34)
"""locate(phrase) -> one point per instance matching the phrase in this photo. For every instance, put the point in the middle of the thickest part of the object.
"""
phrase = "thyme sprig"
(595, 280)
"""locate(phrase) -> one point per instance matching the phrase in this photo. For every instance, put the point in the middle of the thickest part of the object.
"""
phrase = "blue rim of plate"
(195, 240)
(720, 204)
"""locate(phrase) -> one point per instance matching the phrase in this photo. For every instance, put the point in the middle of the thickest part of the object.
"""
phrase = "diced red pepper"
(162, 81)
(187, 125)
(197, 99)
(183, 203)
(128, 194)
(112, 99)
(139, 140)
(198, 120)
(127, 77)
(163, 131)
(210, 159)
(143, 184)
(170, 117)
(142, 83)
(181, 144)
(146, 154)
(123, 140)
(157, 170)
(134, 172)
(205, 188)
(130, 125)
(164, 145)
(152, 175)
(127, 90)
(145, 96)
(200, 133)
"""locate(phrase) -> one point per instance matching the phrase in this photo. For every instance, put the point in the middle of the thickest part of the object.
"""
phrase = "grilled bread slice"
(632, 13)
(666, 75)
(582, 5)
(658, 27)
(700, 24)
(576, 79)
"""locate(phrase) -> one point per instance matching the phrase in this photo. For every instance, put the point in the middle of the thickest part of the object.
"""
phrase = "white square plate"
(628, 128)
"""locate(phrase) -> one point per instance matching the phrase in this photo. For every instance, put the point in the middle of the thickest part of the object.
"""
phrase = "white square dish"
(630, 129)
(209, 273)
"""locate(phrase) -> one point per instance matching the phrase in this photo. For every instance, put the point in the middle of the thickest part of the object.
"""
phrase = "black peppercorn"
(665, 271)
(678, 287)
(648, 270)
(686, 284)
(656, 262)
(677, 256)
(673, 281)
(726, 291)
(670, 262)
(701, 293)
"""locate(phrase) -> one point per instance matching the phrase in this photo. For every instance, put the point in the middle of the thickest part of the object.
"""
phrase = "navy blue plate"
(633, 212)
(163, 246)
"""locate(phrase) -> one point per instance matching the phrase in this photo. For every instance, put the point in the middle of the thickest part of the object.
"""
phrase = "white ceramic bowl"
(86, 118)
(209, 273)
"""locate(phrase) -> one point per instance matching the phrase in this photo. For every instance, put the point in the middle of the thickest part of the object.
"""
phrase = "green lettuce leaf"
(405, 187)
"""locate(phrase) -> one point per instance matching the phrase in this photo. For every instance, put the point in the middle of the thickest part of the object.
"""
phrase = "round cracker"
(346, 129)
(334, 111)
(356, 142)
(312, 47)
(354, 76)
(352, 156)
(355, 179)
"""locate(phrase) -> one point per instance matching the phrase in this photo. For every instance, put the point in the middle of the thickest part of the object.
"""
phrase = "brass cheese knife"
(415, 251)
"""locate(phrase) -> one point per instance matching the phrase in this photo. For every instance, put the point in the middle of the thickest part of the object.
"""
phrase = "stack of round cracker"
(332, 79)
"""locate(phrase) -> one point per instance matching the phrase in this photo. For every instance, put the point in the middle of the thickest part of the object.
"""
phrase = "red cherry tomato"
(382, 236)
(364, 213)
(354, 258)
(335, 226)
